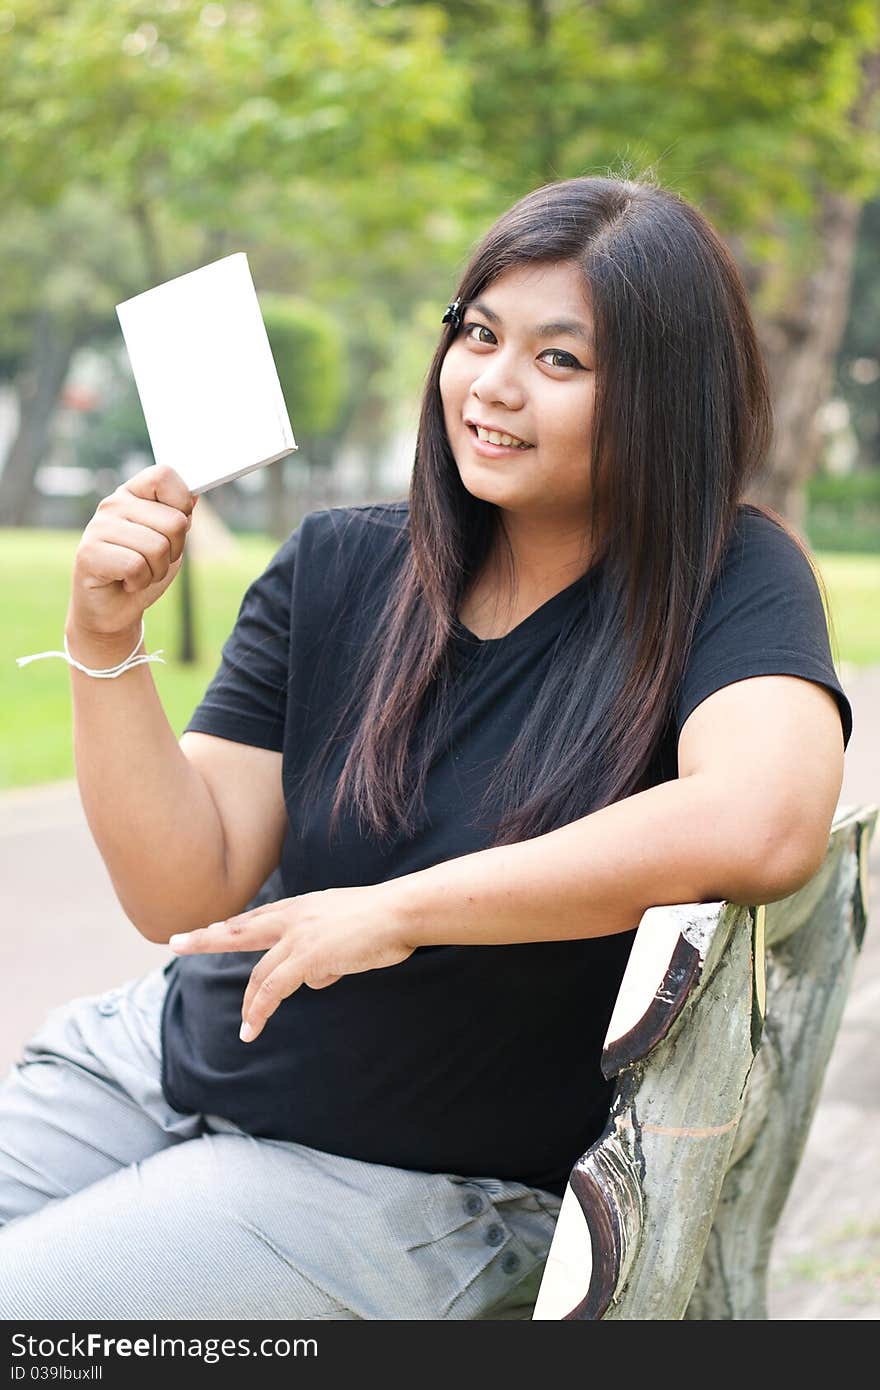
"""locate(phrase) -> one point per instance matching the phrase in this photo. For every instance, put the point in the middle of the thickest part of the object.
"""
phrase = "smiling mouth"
(502, 440)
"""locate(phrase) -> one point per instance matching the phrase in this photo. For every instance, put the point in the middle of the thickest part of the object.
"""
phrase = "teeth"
(493, 437)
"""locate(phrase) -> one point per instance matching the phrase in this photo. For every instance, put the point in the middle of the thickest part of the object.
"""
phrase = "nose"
(497, 384)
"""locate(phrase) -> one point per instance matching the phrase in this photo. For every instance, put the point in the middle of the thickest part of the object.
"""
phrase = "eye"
(557, 352)
(481, 326)
(570, 362)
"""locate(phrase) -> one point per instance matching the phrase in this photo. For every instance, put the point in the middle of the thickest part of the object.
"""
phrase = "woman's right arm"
(189, 830)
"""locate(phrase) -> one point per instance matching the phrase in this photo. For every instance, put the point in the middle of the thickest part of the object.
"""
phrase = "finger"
(264, 968)
(159, 483)
(261, 971)
(106, 563)
(254, 931)
(265, 910)
(268, 966)
(153, 547)
(278, 985)
(166, 521)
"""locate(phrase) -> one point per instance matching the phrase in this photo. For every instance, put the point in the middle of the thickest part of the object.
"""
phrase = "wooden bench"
(719, 1041)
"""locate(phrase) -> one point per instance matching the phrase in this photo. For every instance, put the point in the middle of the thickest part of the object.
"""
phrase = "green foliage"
(848, 492)
(110, 434)
(745, 109)
(315, 136)
(310, 353)
(843, 513)
(72, 264)
(358, 150)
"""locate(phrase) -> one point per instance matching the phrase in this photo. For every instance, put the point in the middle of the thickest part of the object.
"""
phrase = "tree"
(359, 150)
(173, 115)
(763, 113)
(858, 364)
(305, 344)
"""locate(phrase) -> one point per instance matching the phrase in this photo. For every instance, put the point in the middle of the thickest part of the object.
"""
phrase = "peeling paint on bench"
(719, 1041)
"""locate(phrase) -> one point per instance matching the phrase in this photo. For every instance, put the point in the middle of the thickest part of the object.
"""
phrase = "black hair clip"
(453, 314)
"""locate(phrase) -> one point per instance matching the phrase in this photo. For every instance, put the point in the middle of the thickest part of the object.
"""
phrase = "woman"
(477, 733)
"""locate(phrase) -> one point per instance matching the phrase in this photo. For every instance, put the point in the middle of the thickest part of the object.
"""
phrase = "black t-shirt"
(481, 1061)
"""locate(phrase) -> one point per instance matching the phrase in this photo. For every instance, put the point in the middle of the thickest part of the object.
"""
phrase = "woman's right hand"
(129, 553)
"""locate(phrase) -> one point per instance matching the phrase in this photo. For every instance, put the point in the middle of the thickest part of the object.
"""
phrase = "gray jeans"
(113, 1205)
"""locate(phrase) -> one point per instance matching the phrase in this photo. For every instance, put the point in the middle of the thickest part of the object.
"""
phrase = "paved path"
(65, 934)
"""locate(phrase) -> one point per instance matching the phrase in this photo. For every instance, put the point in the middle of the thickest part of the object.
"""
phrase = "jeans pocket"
(492, 1237)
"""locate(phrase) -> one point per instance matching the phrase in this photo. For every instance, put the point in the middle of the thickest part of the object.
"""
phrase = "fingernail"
(246, 1032)
(178, 942)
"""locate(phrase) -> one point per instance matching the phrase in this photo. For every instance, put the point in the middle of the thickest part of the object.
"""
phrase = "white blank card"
(205, 374)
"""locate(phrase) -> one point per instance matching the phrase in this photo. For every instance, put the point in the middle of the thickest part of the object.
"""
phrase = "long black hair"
(682, 423)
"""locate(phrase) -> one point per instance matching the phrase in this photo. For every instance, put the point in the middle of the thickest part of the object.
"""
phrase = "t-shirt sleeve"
(764, 617)
(246, 700)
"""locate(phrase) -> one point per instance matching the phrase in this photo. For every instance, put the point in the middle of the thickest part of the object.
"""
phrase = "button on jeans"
(114, 1205)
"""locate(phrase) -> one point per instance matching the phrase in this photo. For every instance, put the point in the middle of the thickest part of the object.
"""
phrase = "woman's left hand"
(313, 939)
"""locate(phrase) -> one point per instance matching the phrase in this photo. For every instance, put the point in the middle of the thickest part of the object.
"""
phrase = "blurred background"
(357, 151)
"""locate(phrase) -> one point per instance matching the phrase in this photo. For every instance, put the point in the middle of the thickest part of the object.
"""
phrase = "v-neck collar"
(536, 622)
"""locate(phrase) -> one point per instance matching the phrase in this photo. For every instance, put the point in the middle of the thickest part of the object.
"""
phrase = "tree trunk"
(39, 385)
(154, 259)
(801, 342)
(544, 98)
(276, 501)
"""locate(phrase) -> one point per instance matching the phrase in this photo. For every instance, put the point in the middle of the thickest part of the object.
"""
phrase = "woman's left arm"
(760, 766)
(747, 821)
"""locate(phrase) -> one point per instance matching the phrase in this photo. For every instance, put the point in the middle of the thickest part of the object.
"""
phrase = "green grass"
(853, 584)
(35, 705)
(35, 570)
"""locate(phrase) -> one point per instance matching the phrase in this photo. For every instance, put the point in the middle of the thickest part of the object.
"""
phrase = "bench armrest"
(710, 1111)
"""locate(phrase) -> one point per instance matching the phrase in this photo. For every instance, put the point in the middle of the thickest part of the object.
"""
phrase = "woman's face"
(512, 368)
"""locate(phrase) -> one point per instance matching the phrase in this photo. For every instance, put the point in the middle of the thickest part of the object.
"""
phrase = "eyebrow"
(573, 327)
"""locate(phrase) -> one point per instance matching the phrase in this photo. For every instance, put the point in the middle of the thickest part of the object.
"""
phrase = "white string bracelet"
(111, 672)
